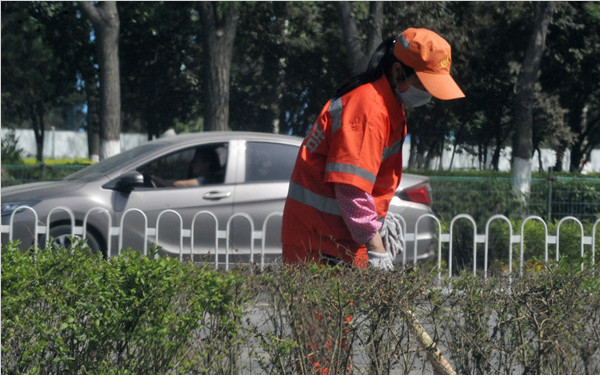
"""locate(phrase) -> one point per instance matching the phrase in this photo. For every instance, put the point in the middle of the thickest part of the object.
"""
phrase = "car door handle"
(216, 195)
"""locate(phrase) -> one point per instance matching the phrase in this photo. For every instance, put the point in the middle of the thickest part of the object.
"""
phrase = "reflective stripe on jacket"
(356, 140)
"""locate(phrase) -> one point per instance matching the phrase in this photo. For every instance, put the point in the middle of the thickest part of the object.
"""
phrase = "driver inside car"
(204, 169)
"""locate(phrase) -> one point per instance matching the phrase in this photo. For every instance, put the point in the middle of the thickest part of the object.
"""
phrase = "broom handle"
(435, 356)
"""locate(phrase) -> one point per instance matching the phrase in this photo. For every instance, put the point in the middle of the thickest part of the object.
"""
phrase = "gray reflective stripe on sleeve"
(352, 169)
(314, 200)
(393, 149)
(335, 110)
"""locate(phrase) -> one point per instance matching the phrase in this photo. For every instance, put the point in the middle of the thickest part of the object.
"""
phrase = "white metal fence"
(151, 233)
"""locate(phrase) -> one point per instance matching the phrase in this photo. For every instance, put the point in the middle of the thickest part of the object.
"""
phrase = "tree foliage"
(287, 58)
(34, 81)
(572, 71)
(161, 80)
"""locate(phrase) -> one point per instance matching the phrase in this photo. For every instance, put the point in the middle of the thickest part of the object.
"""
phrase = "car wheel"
(61, 237)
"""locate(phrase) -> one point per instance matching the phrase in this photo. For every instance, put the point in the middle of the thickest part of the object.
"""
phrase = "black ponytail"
(382, 60)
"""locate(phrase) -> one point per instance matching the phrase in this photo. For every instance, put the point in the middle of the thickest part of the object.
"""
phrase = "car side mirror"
(127, 182)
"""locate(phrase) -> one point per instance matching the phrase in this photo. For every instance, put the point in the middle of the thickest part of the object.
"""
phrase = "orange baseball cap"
(430, 56)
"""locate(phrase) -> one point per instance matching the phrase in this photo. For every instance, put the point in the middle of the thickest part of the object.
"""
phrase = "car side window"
(269, 161)
(194, 166)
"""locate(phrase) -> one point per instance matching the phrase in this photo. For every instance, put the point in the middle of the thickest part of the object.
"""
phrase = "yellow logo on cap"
(445, 62)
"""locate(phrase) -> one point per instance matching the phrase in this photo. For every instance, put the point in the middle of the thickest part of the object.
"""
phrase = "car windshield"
(113, 162)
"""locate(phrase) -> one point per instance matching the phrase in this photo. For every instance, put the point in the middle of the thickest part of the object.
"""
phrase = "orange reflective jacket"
(356, 140)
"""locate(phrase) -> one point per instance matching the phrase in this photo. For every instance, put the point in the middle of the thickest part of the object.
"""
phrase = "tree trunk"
(105, 19)
(496, 157)
(358, 54)
(560, 155)
(452, 158)
(585, 142)
(523, 118)
(219, 40)
(540, 161)
(412, 158)
(93, 122)
(421, 157)
(440, 166)
(277, 63)
(39, 126)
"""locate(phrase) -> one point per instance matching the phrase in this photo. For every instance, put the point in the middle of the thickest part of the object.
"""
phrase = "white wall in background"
(60, 144)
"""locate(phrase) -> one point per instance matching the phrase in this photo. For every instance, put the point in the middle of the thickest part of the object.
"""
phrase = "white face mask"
(414, 97)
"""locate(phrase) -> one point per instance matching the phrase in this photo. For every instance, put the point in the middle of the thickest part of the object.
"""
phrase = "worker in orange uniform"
(350, 163)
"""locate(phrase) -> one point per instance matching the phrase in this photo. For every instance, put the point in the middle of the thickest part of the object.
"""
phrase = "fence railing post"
(546, 238)
(472, 221)
(227, 240)
(192, 227)
(145, 246)
(104, 211)
(487, 237)
(581, 234)
(156, 236)
(264, 237)
(550, 180)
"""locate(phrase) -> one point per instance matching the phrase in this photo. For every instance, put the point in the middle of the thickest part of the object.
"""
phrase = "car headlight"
(9, 208)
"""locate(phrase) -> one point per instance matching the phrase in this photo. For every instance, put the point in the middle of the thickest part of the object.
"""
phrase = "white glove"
(382, 261)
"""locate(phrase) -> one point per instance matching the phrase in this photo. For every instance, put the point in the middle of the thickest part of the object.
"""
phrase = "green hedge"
(71, 312)
(20, 174)
(484, 194)
(81, 162)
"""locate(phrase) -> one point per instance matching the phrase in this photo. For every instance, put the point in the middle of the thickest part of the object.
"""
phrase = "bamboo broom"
(434, 354)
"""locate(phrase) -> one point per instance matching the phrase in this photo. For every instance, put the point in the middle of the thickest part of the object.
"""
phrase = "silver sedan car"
(152, 186)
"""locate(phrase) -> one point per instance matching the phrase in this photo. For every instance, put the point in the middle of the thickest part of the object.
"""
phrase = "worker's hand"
(378, 257)
(382, 261)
